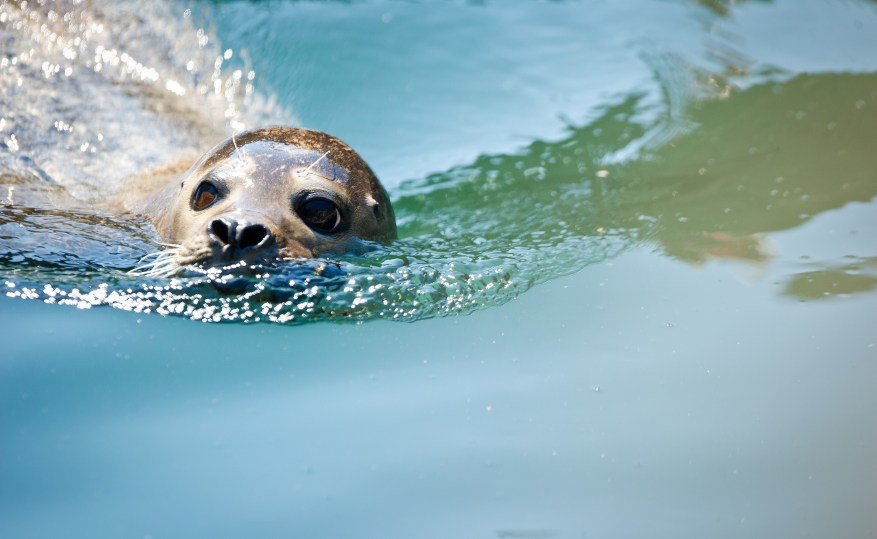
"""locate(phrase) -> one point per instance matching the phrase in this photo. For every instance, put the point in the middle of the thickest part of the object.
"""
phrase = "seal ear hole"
(378, 210)
(320, 214)
(205, 195)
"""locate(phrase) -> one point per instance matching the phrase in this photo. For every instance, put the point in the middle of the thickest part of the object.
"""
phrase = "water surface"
(658, 216)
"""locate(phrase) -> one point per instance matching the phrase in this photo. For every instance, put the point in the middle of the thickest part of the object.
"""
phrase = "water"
(656, 213)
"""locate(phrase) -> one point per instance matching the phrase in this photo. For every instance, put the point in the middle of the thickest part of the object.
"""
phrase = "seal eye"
(321, 214)
(205, 195)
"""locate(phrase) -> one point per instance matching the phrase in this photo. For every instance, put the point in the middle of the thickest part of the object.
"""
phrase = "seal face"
(273, 193)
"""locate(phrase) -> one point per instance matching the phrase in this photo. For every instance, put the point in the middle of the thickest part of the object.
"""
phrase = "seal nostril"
(252, 235)
(220, 230)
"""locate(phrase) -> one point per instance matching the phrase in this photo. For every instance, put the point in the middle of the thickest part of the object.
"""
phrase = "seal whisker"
(308, 170)
(157, 256)
(241, 150)
(151, 255)
(158, 267)
(160, 263)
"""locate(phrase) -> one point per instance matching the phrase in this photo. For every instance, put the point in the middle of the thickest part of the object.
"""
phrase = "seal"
(276, 193)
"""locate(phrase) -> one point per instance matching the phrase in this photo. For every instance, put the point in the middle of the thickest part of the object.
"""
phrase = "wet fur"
(370, 213)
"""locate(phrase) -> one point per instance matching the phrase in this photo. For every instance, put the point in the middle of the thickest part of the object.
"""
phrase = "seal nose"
(236, 238)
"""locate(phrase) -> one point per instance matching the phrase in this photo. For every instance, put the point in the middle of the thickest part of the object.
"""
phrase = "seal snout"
(233, 240)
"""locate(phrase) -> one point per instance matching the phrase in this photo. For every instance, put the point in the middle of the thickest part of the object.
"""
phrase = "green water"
(659, 215)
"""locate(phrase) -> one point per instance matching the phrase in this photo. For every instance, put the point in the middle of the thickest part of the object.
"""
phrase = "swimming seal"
(277, 193)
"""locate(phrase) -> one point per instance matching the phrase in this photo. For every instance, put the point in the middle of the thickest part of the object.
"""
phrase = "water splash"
(93, 93)
(472, 237)
(688, 177)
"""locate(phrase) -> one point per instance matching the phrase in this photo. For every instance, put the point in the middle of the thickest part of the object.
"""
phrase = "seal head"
(273, 193)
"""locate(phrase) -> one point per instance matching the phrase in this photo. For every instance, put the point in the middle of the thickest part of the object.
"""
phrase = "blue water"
(685, 192)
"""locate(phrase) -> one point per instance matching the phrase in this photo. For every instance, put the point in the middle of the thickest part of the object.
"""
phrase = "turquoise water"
(658, 215)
